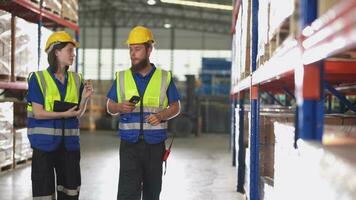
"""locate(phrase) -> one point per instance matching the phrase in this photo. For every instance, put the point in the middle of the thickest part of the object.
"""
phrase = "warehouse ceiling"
(128, 13)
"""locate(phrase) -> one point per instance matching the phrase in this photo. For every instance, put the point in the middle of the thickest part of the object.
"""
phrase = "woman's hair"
(52, 58)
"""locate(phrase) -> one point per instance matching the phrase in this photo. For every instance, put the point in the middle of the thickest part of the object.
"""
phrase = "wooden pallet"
(6, 167)
(23, 161)
(56, 12)
(288, 29)
(71, 20)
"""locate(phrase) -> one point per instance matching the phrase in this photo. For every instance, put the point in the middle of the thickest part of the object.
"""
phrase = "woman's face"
(66, 55)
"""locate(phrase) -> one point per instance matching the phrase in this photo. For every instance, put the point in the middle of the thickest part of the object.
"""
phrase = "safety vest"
(46, 134)
(154, 100)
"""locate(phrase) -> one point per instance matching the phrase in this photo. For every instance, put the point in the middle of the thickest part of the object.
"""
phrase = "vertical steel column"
(84, 35)
(254, 97)
(39, 36)
(77, 51)
(310, 99)
(13, 48)
(172, 47)
(99, 51)
(241, 146)
(113, 51)
(233, 128)
(330, 97)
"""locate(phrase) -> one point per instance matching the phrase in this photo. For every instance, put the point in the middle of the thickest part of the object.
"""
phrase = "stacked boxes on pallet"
(246, 39)
(242, 39)
(54, 6)
(277, 146)
(67, 9)
(263, 15)
(70, 10)
(6, 137)
(26, 57)
(23, 149)
(328, 171)
(277, 21)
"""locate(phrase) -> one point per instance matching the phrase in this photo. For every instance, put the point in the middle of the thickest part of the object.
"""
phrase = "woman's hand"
(88, 89)
(72, 112)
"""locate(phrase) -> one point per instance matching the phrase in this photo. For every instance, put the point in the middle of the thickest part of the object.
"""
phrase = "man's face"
(139, 56)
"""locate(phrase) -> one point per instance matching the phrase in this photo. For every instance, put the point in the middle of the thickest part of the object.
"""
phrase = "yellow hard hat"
(140, 35)
(58, 37)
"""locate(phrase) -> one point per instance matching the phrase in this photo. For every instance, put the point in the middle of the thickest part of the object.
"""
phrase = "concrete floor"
(198, 169)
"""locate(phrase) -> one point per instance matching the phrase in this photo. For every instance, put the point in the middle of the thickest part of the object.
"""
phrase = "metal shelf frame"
(304, 59)
(37, 14)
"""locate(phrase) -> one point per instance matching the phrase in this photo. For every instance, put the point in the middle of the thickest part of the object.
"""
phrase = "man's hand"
(154, 119)
(126, 107)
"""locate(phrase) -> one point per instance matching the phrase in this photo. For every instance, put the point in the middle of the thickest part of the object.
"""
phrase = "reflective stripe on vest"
(146, 126)
(52, 131)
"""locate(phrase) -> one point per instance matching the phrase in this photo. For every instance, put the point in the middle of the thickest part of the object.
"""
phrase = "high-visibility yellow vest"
(46, 134)
(154, 100)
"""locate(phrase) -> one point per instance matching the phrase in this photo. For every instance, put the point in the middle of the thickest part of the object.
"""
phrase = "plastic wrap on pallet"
(26, 40)
(238, 46)
(279, 11)
(262, 26)
(23, 149)
(246, 38)
(319, 164)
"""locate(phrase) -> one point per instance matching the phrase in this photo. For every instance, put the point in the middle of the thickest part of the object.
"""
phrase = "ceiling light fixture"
(151, 2)
(167, 26)
(199, 4)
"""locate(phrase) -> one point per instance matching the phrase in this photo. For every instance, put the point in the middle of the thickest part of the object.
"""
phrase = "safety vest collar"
(126, 88)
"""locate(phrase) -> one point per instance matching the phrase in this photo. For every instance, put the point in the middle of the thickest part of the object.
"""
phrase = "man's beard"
(140, 65)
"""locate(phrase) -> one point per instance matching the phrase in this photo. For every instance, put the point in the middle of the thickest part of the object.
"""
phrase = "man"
(142, 126)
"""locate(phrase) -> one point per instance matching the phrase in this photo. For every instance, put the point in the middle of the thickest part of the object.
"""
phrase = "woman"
(53, 127)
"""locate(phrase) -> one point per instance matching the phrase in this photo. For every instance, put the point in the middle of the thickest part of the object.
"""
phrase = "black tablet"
(61, 106)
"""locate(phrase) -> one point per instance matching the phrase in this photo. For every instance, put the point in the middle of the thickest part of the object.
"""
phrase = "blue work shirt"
(141, 83)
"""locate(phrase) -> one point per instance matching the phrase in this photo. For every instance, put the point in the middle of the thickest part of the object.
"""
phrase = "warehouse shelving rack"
(35, 13)
(32, 11)
(300, 65)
